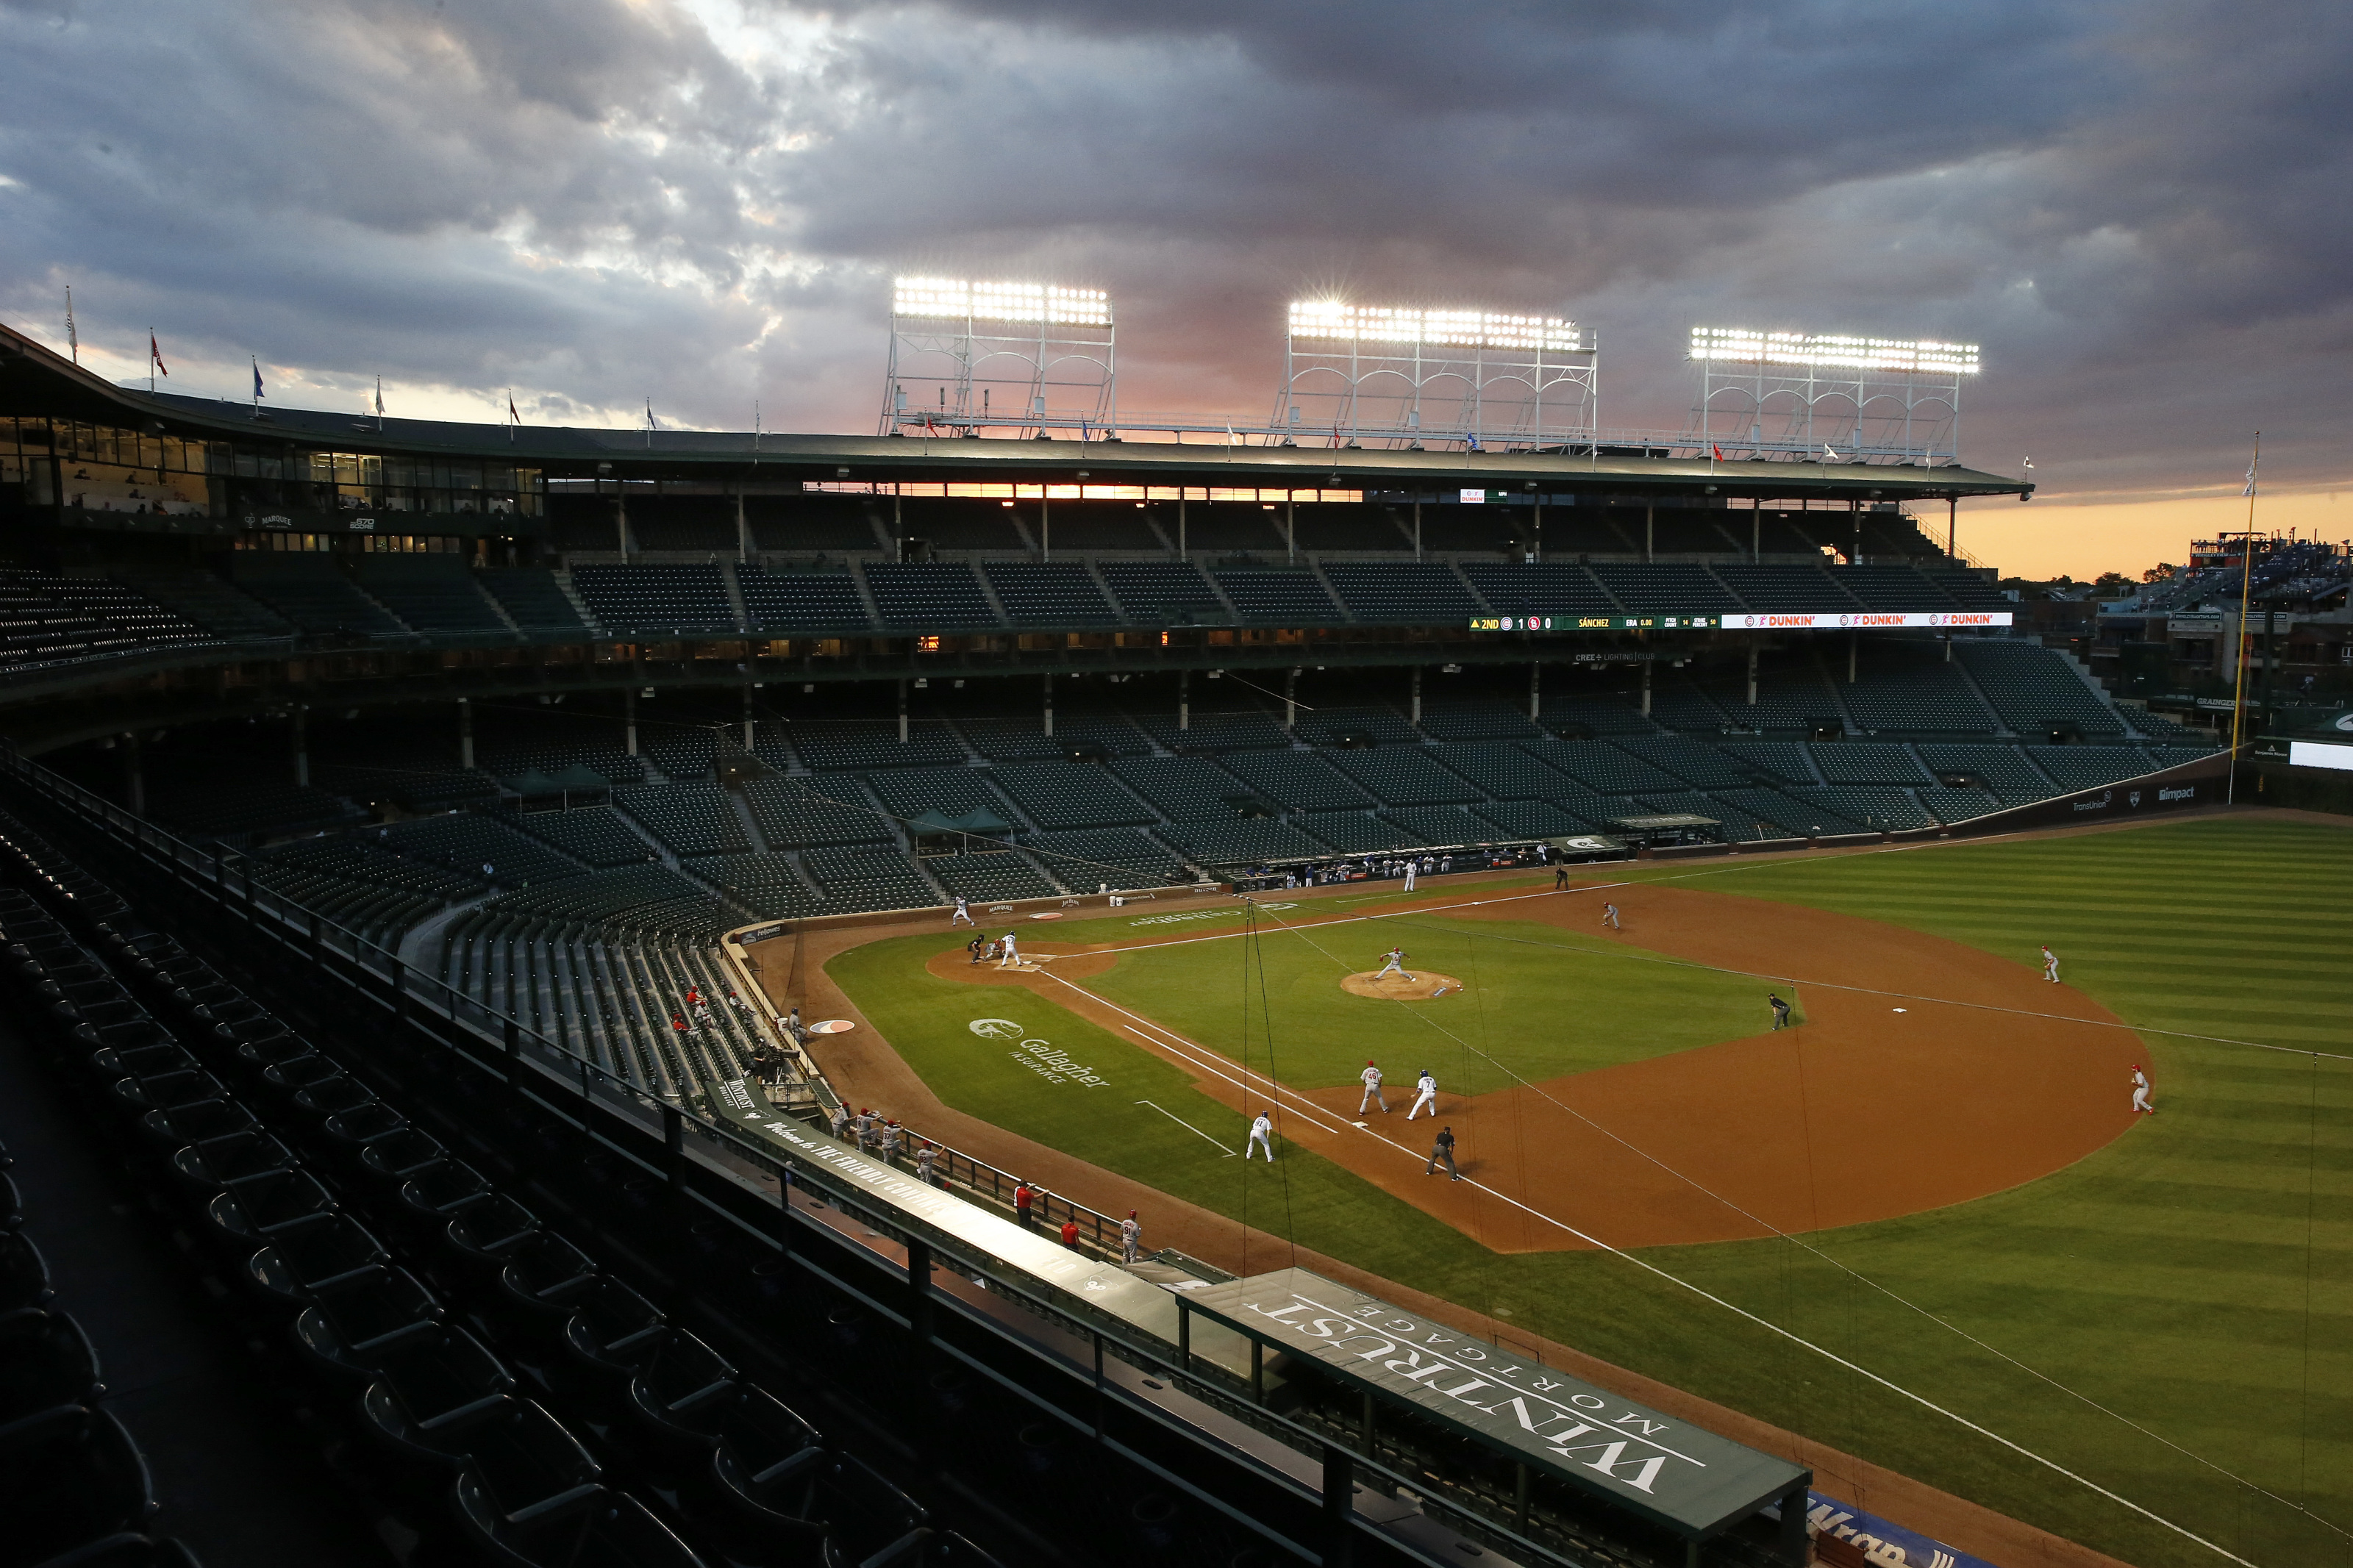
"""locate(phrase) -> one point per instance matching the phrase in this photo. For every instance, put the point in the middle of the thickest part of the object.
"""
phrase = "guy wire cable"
(1866, 1281)
(1266, 1021)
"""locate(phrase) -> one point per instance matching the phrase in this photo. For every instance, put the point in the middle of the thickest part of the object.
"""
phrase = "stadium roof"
(35, 380)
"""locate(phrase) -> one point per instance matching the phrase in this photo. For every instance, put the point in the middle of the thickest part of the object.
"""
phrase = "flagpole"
(151, 362)
(73, 340)
(2246, 582)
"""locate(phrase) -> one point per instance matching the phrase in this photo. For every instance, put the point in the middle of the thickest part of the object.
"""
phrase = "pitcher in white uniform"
(1395, 963)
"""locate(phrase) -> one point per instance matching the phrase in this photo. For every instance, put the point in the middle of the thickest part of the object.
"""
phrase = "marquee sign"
(1660, 1467)
(1823, 621)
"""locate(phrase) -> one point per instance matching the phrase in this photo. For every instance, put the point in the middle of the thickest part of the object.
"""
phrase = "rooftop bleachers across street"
(1502, 769)
(2003, 769)
(1153, 592)
(1404, 776)
(655, 601)
(1693, 761)
(794, 812)
(1951, 805)
(468, 841)
(2089, 767)
(1419, 591)
(1905, 695)
(1230, 729)
(311, 590)
(1328, 726)
(534, 600)
(1278, 597)
(1664, 588)
(828, 743)
(801, 603)
(691, 818)
(1124, 858)
(1299, 781)
(1188, 789)
(1048, 594)
(1789, 590)
(1891, 587)
(869, 879)
(767, 885)
(1442, 824)
(986, 876)
(1548, 588)
(2033, 688)
(1355, 832)
(1873, 807)
(1783, 760)
(929, 596)
(1239, 840)
(431, 593)
(1868, 762)
(1601, 766)
(1061, 796)
(1541, 819)
(950, 791)
(1472, 720)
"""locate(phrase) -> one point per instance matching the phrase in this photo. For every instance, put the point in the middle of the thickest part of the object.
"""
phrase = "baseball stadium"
(1375, 985)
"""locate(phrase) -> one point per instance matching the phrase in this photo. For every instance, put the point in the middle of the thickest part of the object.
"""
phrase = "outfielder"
(1609, 914)
(1261, 1137)
(1372, 1095)
(1394, 962)
(1425, 1097)
(962, 913)
(2050, 966)
(2140, 1090)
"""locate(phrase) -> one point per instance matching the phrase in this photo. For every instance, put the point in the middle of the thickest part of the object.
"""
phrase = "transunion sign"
(1662, 1467)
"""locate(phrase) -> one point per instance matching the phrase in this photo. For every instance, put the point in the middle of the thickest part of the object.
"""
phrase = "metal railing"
(693, 1140)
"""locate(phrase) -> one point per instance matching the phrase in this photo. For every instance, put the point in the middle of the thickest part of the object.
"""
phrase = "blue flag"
(257, 380)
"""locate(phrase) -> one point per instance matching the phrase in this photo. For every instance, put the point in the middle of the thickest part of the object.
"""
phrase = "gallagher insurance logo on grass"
(1038, 1056)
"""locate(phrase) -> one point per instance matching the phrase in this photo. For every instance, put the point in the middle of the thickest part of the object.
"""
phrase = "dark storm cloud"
(2137, 209)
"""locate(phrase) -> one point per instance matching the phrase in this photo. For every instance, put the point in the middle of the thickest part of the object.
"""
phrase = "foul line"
(1180, 1121)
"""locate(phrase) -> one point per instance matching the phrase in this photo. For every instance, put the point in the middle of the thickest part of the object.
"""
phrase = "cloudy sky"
(2140, 210)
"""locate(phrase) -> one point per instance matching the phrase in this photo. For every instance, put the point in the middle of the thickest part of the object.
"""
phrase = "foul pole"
(2246, 580)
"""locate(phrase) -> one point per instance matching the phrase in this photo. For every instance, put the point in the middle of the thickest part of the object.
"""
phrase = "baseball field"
(1923, 1225)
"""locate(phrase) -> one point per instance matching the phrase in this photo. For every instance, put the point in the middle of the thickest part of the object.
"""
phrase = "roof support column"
(1290, 699)
(1952, 525)
(1050, 709)
(742, 531)
(903, 711)
(1045, 523)
(1853, 655)
(1291, 527)
(621, 520)
(1650, 530)
(1181, 555)
(747, 717)
(301, 744)
(1752, 672)
(1756, 531)
(1414, 701)
(1535, 692)
(1417, 531)
(1646, 688)
(1339, 1507)
(1183, 700)
(630, 720)
(465, 733)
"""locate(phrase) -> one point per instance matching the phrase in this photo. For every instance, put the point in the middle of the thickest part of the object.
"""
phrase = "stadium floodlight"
(1834, 350)
(1337, 320)
(950, 299)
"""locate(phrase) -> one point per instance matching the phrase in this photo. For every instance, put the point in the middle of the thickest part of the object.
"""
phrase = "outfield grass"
(1542, 1009)
(2195, 1277)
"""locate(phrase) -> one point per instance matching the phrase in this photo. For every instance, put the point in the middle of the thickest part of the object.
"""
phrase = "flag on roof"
(156, 354)
(1831, 454)
(1717, 450)
(257, 378)
(2251, 462)
(512, 415)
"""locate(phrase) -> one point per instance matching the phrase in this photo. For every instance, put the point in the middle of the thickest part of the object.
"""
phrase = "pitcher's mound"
(1424, 985)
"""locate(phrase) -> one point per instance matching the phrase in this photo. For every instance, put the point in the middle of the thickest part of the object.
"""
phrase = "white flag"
(2251, 481)
(2030, 465)
(1833, 456)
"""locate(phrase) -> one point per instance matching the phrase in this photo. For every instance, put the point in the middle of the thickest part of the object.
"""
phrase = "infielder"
(2050, 966)
(2140, 1090)
(1425, 1097)
(1609, 914)
(1261, 1137)
(1372, 1095)
(1394, 962)
(962, 913)
(1011, 957)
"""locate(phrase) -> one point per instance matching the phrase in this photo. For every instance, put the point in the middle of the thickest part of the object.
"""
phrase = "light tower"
(1829, 397)
(1402, 376)
(1028, 357)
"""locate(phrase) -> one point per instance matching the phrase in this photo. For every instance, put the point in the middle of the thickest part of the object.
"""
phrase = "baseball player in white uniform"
(1372, 1095)
(1011, 957)
(2050, 966)
(1609, 914)
(1409, 869)
(2140, 1090)
(1261, 1137)
(961, 913)
(1425, 1097)
(1394, 963)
